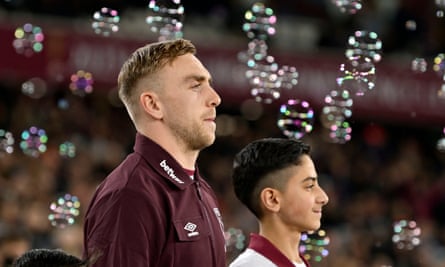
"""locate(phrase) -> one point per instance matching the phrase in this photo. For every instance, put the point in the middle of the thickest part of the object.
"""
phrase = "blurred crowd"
(385, 174)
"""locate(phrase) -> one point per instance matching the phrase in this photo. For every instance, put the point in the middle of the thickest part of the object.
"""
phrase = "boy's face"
(302, 198)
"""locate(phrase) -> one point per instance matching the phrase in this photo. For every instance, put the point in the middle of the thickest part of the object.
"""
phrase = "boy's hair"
(258, 166)
(144, 62)
(43, 257)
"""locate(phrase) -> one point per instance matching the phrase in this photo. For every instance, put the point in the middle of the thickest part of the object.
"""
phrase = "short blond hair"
(143, 63)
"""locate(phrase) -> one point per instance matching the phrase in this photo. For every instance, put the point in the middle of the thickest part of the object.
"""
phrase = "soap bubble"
(81, 83)
(235, 239)
(439, 64)
(411, 25)
(28, 40)
(365, 44)
(106, 21)
(260, 22)
(166, 18)
(313, 246)
(348, 6)
(262, 75)
(419, 65)
(441, 142)
(340, 132)
(67, 150)
(357, 76)
(288, 76)
(33, 141)
(406, 234)
(296, 118)
(6, 142)
(64, 211)
(338, 106)
(34, 88)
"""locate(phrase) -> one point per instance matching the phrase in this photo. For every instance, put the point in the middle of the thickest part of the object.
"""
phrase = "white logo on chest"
(191, 227)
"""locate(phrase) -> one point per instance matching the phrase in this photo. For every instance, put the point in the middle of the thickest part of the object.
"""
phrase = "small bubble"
(33, 141)
(314, 247)
(6, 142)
(34, 88)
(406, 234)
(166, 18)
(81, 83)
(106, 21)
(64, 211)
(28, 40)
(67, 150)
(419, 65)
(259, 22)
(340, 132)
(296, 118)
(411, 25)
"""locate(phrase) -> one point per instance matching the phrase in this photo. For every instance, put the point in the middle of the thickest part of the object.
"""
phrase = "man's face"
(189, 102)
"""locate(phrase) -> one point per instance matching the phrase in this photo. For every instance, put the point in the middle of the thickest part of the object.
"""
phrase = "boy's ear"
(150, 104)
(270, 199)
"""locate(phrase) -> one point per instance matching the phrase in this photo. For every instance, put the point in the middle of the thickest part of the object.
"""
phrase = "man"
(154, 209)
(276, 179)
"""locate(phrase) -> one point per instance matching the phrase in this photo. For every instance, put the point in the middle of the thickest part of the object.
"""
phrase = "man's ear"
(270, 199)
(151, 104)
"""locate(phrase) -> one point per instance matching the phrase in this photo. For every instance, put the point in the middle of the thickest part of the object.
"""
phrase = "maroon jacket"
(149, 212)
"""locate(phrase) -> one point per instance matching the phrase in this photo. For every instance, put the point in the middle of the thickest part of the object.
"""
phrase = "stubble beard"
(195, 137)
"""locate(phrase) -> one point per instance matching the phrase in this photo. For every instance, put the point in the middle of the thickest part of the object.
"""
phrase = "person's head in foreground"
(168, 94)
(42, 257)
(276, 179)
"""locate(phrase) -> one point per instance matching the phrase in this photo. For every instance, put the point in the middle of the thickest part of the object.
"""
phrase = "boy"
(276, 180)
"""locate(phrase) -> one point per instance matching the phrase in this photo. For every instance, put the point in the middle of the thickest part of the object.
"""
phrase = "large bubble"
(357, 76)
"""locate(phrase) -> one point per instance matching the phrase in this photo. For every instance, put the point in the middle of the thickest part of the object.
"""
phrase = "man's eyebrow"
(198, 78)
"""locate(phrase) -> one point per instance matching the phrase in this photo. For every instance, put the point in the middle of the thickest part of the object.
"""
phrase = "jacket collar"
(162, 162)
(263, 246)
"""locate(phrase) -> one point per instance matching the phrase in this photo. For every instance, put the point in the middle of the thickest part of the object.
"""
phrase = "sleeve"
(126, 230)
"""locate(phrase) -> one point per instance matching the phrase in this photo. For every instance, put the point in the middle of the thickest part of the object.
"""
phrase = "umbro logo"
(191, 227)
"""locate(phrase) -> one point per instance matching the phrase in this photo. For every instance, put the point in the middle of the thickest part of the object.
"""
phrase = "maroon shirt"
(149, 212)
